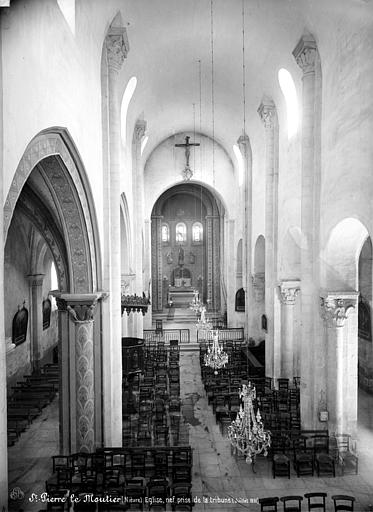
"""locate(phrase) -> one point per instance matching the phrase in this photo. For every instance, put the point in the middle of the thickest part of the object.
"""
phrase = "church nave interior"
(186, 269)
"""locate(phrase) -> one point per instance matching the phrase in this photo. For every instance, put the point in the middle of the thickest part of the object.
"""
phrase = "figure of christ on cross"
(187, 147)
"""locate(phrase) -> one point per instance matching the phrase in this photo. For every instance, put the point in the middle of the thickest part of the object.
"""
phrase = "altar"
(180, 296)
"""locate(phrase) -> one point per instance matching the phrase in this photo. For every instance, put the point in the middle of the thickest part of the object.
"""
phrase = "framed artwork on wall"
(47, 308)
(19, 326)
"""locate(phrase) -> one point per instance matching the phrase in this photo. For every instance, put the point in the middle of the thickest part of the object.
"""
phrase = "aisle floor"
(217, 475)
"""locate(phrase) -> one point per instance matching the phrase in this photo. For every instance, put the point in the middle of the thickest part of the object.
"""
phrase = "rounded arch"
(210, 199)
(259, 255)
(183, 205)
(53, 153)
(341, 255)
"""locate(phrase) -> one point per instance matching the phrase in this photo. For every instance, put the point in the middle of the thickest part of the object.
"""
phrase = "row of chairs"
(315, 500)
(29, 397)
(157, 421)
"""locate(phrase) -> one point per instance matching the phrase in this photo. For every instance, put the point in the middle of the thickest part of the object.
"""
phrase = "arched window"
(289, 91)
(197, 232)
(165, 233)
(240, 300)
(54, 285)
(181, 232)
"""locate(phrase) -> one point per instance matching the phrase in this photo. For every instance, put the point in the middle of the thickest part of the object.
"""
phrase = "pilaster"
(288, 293)
(245, 148)
(268, 114)
(117, 48)
(80, 380)
(36, 300)
(306, 55)
(341, 336)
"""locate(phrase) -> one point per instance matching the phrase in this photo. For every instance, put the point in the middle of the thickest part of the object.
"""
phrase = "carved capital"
(267, 112)
(36, 279)
(305, 53)
(139, 131)
(289, 291)
(117, 47)
(335, 307)
(81, 307)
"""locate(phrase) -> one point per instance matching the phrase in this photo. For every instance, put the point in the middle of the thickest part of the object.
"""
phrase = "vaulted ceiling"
(168, 37)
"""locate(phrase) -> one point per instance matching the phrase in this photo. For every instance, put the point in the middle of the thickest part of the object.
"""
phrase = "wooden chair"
(159, 326)
(304, 464)
(182, 495)
(135, 490)
(157, 488)
(343, 502)
(325, 464)
(347, 458)
(290, 505)
(316, 500)
(280, 465)
(268, 504)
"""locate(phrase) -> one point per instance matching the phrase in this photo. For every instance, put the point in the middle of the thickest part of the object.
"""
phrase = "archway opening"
(50, 244)
(347, 270)
(186, 241)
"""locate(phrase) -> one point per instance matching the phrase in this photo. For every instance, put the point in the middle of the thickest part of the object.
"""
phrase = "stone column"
(36, 302)
(341, 383)
(138, 213)
(116, 51)
(268, 114)
(157, 263)
(245, 148)
(80, 382)
(305, 54)
(3, 382)
(288, 293)
(210, 256)
(147, 271)
(231, 266)
(216, 260)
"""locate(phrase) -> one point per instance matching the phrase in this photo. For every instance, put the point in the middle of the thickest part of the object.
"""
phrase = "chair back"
(343, 502)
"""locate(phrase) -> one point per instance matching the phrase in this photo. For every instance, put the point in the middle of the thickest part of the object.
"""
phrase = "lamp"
(246, 433)
(215, 358)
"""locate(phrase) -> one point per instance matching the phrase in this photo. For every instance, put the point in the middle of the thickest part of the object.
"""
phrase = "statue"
(181, 256)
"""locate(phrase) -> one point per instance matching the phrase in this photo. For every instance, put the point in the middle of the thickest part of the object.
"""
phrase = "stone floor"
(217, 475)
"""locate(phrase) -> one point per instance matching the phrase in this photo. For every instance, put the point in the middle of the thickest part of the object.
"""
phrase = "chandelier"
(215, 358)
(246, 433)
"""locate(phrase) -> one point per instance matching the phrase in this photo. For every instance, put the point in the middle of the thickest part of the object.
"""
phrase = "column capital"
(289, 291)
(36, 279)
(81, 307)
(117, 47)
(336, 306)
(139, 131)
(267, 112)
(305, 53)
(243, 140)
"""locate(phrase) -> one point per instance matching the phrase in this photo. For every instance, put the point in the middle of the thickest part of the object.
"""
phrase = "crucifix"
(187, 172)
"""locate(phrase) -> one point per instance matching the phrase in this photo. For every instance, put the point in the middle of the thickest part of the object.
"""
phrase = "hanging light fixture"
(215, 358)
(246, 433)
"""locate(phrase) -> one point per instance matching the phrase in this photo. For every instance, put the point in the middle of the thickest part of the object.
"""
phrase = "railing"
(181, 335)
(233, 333)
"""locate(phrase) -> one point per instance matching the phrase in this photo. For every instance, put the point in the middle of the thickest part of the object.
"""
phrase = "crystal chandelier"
(246, 433)
(216, 358)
